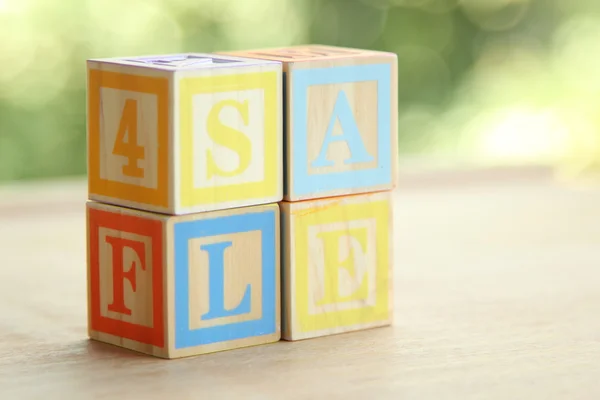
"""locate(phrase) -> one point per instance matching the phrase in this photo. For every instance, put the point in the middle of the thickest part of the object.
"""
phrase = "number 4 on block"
(126, 143)
(185, 133)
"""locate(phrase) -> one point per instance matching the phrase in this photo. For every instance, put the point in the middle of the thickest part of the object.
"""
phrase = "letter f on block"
(351, 135)
(216, 283)
(118, 246)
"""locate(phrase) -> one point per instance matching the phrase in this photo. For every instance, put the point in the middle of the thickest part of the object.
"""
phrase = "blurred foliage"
(487, 81)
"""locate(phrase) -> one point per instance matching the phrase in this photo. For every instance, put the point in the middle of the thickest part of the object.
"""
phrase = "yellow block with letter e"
(337, 265)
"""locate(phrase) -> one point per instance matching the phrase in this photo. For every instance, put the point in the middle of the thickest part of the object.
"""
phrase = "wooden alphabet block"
(176, 286)
(341, 119)
(184, 133)
(337, 265)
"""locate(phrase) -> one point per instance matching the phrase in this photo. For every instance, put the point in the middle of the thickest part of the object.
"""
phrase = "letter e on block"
(125, 280)
(337, 265)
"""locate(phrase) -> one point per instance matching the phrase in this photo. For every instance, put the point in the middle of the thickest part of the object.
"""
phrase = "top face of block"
(183, 61)
(306, 53)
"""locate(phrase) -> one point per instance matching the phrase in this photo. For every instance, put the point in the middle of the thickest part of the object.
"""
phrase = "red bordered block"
(119, 316)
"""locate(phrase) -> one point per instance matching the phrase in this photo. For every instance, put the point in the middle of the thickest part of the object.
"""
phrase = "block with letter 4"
(176, 286)
(337, 265)
(184, 133)
(341, 118)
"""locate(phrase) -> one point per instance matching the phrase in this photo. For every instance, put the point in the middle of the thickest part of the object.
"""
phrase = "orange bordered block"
(341, 119)
(337, 265)
(177, 286)
(184, 133)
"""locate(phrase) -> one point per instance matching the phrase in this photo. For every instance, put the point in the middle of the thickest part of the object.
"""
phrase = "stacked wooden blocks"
(232, 191)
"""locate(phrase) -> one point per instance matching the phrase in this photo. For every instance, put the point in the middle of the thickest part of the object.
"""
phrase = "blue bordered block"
(340, 119)
(225, 280)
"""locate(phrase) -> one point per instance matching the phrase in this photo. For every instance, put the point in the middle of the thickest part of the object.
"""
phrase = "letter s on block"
(228, 137)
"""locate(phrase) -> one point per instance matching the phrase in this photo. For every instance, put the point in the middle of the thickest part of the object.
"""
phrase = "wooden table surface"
(497, 297)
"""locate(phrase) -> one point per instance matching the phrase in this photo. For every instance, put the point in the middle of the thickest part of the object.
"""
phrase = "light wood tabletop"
(497, 279)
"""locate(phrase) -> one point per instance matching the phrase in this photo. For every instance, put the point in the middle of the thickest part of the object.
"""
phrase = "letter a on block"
(226, 136)
(357, 238)
(216, 259)
(351, 135)
(118, 245)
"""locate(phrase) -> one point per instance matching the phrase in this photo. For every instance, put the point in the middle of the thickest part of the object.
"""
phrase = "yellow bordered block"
(337, 265)
(184, 133)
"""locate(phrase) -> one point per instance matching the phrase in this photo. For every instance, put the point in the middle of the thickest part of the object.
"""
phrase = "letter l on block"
(216, 282)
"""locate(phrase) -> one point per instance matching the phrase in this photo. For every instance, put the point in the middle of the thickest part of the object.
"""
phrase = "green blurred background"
(483, 82)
